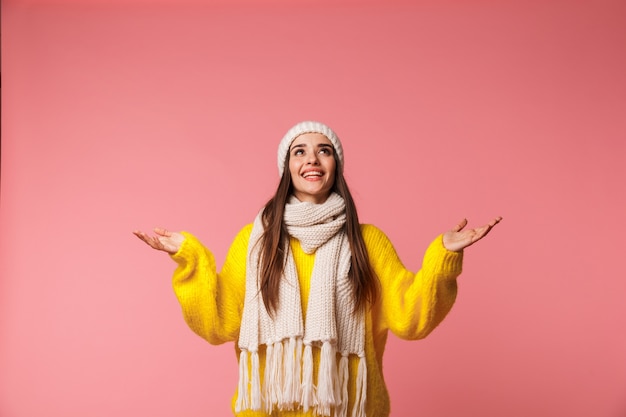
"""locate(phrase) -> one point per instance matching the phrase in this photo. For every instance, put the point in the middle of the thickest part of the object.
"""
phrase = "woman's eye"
(298, 152)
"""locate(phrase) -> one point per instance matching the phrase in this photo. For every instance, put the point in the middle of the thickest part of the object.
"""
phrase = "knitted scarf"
(331, 325)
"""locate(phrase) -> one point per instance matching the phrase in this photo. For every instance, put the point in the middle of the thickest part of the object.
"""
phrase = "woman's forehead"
(313, 138)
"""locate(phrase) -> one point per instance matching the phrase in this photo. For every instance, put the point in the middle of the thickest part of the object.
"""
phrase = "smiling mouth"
(312, 174)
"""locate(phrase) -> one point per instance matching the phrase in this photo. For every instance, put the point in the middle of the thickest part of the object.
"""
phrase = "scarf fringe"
(242, 390)
(309, 399)
(297, 382)
(277, 374)
(326, 379)
(358, 409)
(268, 381)
(255, 399)
(290, 390)
(341, 409)
(287, 384)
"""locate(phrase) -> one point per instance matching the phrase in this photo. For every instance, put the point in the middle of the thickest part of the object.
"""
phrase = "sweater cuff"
(449, 263)
(187, 250)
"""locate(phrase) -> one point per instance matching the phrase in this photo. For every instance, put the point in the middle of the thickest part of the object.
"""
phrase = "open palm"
(459, 238)
(164, 240)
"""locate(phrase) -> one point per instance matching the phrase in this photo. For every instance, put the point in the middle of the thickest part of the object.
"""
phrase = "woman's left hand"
(458, 239)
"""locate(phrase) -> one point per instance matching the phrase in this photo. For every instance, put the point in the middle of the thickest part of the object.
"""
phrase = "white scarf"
(330, 321)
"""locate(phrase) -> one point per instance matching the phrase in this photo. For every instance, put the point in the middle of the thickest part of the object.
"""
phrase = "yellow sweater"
(410, 305)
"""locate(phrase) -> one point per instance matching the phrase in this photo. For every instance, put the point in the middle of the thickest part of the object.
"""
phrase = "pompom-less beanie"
(308, 126)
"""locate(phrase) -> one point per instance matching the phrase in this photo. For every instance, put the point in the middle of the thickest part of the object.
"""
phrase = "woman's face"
(312, 166)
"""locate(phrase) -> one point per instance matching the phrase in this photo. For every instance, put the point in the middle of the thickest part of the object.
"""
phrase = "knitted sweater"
(410, 305)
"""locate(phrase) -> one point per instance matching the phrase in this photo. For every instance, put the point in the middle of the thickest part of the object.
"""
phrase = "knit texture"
(331, 323)
(410, 305)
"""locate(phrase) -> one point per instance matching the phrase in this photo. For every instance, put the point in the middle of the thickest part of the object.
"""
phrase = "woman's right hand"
(164, 240)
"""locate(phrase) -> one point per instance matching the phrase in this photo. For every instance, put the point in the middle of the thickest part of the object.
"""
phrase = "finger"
(495, 221)
(162, 232)
(481, 232)
(491, 224)
(153, 242)
(141, 235)
(460, 226)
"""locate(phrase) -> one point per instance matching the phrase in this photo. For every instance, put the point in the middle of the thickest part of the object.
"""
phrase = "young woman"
(309, 294)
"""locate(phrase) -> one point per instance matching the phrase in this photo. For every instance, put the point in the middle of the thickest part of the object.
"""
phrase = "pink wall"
(130, 116)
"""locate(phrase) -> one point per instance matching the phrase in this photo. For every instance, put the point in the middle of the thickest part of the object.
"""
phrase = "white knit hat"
(307, 127)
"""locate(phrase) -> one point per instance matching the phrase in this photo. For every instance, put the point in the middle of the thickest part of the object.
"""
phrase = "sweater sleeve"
(413, 304)
(211, 302)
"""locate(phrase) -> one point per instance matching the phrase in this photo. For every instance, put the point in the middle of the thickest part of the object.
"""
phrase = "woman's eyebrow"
(303, 145)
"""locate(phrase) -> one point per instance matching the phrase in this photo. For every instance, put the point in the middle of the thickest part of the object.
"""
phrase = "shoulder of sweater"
(243, 236)
(375, 239)
(246, 230)
(371, 232)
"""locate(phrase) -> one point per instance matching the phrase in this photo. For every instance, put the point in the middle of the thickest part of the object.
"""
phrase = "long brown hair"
(274, 244)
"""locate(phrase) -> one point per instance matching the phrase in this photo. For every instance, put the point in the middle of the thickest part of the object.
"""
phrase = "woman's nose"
(312, 159)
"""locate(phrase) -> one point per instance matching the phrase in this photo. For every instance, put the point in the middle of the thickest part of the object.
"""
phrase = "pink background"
(130, 115)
